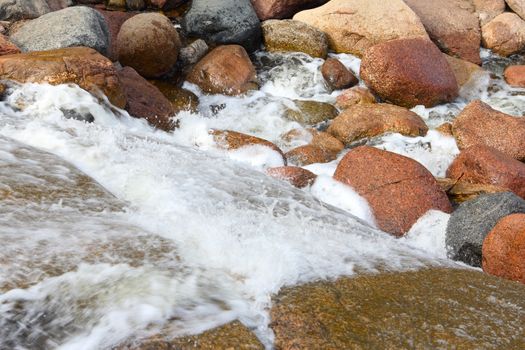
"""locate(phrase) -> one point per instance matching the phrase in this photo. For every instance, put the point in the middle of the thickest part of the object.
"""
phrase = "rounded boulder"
(148, 43)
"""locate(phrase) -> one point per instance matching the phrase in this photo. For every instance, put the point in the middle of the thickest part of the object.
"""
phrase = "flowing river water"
(112, 229)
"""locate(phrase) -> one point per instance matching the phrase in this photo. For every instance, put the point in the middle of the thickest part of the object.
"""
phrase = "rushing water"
(175, 230)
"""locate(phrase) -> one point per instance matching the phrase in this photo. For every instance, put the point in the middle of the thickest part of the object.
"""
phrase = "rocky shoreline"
(139, 56)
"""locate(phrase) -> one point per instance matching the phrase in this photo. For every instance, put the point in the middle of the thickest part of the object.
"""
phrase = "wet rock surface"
(336, 75)
(368, 120)
(420, 309)
(278, 9)
(296, 176)
(398, 189)
(472, 221)
(233, 335)
(478, 123)
(481, 164)
(409, 72)
(504, 249)
(145, 101)
(311, 112)
(225, 70)
(79, 65)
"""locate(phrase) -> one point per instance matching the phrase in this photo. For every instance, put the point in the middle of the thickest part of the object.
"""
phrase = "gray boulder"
(13, 10)
(224, 22)
(72, 26)
(473, 220)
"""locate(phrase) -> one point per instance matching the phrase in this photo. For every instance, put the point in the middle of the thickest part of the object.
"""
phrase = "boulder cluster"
(137, 53)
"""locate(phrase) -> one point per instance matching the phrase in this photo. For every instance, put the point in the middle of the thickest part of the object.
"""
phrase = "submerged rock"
(352, 26)
(294, 36)
(148, 43)
(181, 99)
(311, 112)
(232, 140)
(453, 26)
(409, 72)
(225, 70)
(224, 22)
(505, 34)
(296, 176)
(70, 27)
(472, 221)
(368, 120)
(79, 65)
(407, 310)
(22, 9)
(478, 123)
(336, 75)
(398, 189)
(504, 249)
(145, 101)
(480, 164)
(233, 335)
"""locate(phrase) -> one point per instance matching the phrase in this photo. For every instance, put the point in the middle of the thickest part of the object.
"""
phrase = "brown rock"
(420, 309)
(326, 142)
(232, 140)
(517, 6)
(369, 120)
(354, 96)
(482, 164)
(461, 191)
(463, 70)
(181, 99)
(294, 36)
(55, 5)
(149, 43)
(487, 10)
(7, 47)
(352, 26)
(409, 72)
(398, 189)
(515, 76)
(145, 100)
(504, 249)
(114, 19)
(445, 129)
(268, 9)
(505, 34)
(296, 176)
(311, 112)
(309, 154)
(336, 75)
(233, 335)
(478, 123)
(78, 65)
(225, 70)
(452, 24)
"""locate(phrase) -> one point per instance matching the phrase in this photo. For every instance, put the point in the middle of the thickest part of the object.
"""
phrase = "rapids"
(113, 229)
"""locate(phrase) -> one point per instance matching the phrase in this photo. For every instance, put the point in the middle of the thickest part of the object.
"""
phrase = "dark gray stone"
(13, 10)
(72, 26)
(224, 22)
(473, 220)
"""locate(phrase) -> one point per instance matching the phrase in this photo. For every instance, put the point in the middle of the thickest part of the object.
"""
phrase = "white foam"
(429, 233)
(333, 192)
